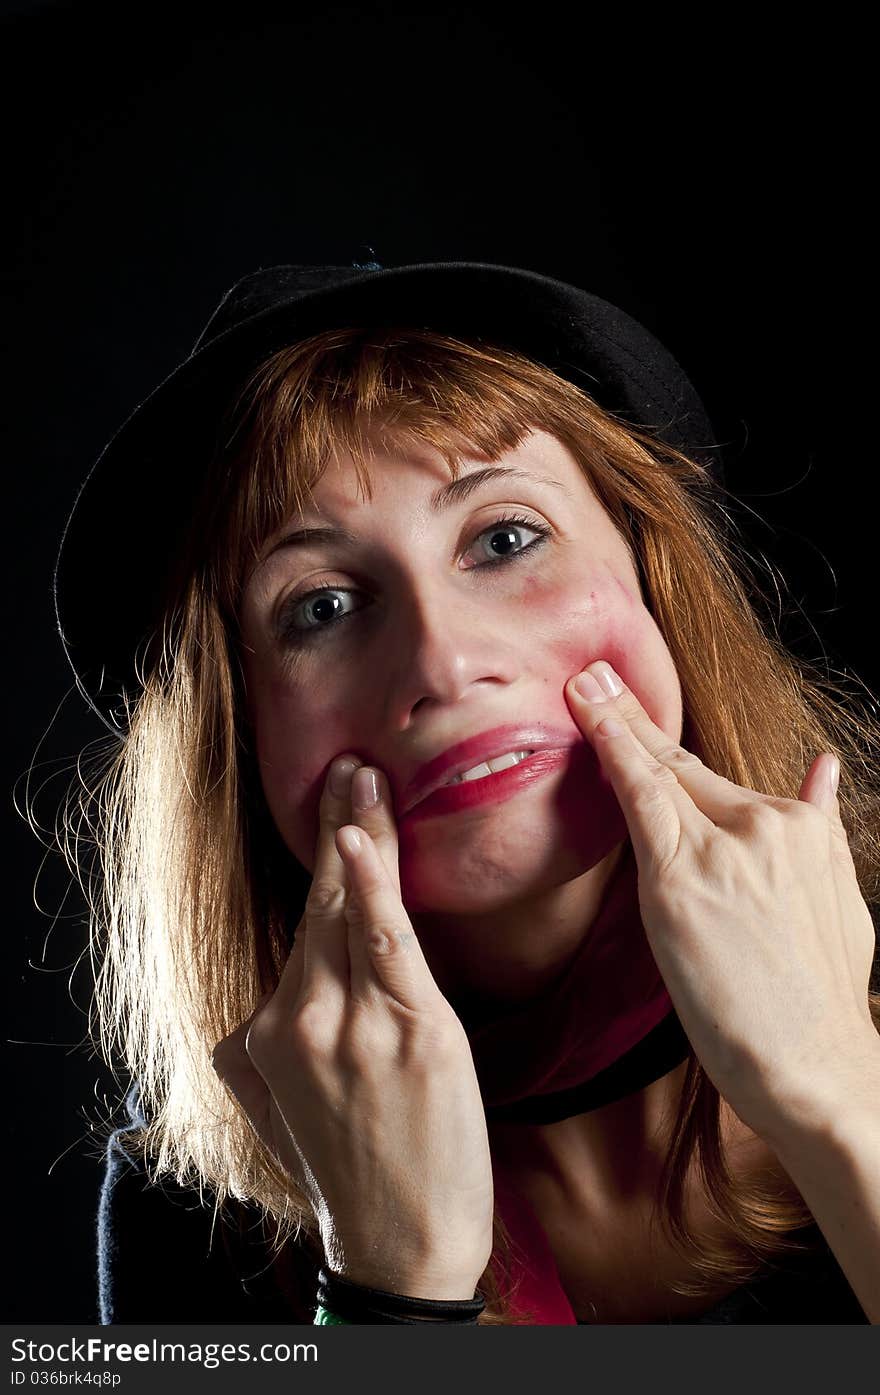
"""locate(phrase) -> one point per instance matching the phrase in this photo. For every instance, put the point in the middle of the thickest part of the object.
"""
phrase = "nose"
(444, 641)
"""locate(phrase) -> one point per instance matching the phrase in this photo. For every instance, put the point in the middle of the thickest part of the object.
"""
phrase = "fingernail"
(586, 685)
(365, 789)
(341, 772)
(350, 839)
(609, 679)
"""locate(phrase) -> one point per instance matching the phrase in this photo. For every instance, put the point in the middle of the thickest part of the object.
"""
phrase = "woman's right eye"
(314, 614)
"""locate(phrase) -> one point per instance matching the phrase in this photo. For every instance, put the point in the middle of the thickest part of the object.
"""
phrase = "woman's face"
(441, 644)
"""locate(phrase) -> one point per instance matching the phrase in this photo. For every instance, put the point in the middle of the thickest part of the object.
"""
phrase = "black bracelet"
(358, 1304)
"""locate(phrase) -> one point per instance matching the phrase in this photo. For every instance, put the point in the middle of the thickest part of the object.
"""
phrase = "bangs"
(349, 392)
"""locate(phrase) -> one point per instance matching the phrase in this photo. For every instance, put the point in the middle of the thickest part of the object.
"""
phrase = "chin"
(470, 879)
(430, 895)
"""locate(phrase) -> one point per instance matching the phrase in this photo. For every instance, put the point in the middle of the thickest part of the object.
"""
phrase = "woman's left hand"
(753, 913)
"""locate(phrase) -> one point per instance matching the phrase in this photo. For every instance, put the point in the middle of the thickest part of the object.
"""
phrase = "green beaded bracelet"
(324, 1318)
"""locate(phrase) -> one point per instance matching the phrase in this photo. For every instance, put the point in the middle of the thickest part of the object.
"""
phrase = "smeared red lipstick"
(500, 785)
(464, 755)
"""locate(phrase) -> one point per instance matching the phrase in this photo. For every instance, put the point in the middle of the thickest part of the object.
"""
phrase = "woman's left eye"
(507, 526)
(294, 623)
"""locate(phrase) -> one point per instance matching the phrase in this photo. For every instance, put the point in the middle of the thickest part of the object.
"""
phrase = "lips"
(477, 749)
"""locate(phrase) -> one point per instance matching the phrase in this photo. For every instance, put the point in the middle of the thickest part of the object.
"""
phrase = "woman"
(587, 1034)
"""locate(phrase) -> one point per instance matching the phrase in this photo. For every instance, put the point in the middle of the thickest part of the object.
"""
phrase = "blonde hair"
(196, 897)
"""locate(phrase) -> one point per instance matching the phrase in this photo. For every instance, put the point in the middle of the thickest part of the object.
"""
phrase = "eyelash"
(292, 635)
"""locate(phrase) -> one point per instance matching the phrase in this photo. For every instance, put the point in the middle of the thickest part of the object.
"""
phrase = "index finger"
(657, 808)
(711, 795)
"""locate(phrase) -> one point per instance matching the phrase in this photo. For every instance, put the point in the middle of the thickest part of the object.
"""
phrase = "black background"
(711, 180)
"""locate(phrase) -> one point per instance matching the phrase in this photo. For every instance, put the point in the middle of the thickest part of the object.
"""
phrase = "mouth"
(489, 767)
(485, 787)
(495, 756)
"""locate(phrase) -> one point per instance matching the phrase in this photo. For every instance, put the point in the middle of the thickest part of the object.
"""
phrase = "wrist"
(343, 1300)
(833, 1105)
(431, 1285)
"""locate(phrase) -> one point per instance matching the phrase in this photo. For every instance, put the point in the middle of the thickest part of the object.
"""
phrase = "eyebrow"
(456, 492)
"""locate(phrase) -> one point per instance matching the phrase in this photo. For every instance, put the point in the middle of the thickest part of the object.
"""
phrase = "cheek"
(296, 739)
(574, 626)
(609, 621)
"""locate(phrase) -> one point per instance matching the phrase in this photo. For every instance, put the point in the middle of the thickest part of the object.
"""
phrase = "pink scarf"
(536, 1294)
(607, 1001)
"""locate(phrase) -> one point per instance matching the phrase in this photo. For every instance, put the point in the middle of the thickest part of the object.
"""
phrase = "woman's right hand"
(359, 1076)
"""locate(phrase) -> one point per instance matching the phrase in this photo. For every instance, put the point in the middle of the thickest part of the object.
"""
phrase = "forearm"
(834, 1162)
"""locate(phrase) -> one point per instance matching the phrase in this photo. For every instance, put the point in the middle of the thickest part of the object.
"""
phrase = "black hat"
(135, 507)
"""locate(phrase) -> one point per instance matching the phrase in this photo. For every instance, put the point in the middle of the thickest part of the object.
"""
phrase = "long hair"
(193, 895)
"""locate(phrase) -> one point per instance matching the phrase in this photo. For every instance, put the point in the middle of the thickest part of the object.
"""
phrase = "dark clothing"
(158, 1262)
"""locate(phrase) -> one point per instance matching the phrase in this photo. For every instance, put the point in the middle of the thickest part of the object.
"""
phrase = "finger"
(372, 809)
(835, 813)
(229, 1051)
(232, 1064)
(658, 812)
(325, 970)
(819, 785)
(393, 954)
(709, 793)
(819, 788)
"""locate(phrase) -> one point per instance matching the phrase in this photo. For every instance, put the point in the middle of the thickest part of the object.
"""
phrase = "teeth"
(479, 772)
